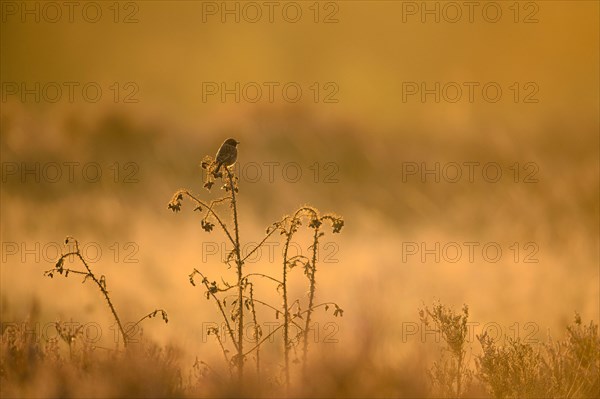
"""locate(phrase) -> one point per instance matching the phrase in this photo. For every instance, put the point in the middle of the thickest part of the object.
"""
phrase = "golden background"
(369, 134)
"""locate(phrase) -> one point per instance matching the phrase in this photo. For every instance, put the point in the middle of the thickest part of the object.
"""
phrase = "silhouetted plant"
(451, 376)
(220, 293)
(572, 366)
(310, 268)
(557, 369)
(100, 283)
(511, 370)
(566, 369)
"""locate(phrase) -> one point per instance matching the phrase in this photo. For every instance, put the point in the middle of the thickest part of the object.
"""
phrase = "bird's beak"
(237, 142)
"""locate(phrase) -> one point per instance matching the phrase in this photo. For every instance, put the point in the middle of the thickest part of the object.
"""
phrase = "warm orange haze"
(411, 209)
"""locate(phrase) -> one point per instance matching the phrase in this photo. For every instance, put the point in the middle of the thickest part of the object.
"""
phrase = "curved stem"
(298, 258)
(292, 320)
(149, 315)
(270, 307)
(263, 275)
(209, 209)
(218, 301)
(263, 340)
(100, 285)
(260, 244)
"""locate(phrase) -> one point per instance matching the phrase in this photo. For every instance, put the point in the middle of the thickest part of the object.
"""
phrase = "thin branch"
(209, 209)
(256, 330)
(294, 317)
(267, 306)
(224, 352)
(275, 228)
(218, 301)
(149, 316)
(101, 285)
(262, 275)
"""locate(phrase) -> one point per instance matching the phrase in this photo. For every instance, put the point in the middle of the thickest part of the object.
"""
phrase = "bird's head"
(232, 142)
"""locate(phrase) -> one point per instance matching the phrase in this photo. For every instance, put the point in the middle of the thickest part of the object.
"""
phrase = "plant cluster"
(568, 368)
(451, 375)
(100, 282)
(237, 300)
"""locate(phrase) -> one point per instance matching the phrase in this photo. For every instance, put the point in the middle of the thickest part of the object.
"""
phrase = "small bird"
(227, 154)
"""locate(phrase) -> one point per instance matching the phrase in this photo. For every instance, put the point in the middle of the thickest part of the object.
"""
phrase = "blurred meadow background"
(349, 157)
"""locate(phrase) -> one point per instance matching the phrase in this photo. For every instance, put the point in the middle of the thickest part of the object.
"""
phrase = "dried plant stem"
(100, 285)
(240, 318)
(224, 353)
(209, 210)
(294, 223)
(287, 226)
(286, 313)
(312, 269)
(260, 244)
(282, 325)
(263, 275)
(256, 330)
(268, 306)
(219, 304)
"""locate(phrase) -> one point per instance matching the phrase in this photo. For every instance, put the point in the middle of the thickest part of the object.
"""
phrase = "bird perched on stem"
(227, 154)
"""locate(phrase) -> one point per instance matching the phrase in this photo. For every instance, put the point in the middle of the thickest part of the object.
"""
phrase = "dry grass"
(70, 367)
(567, 368)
